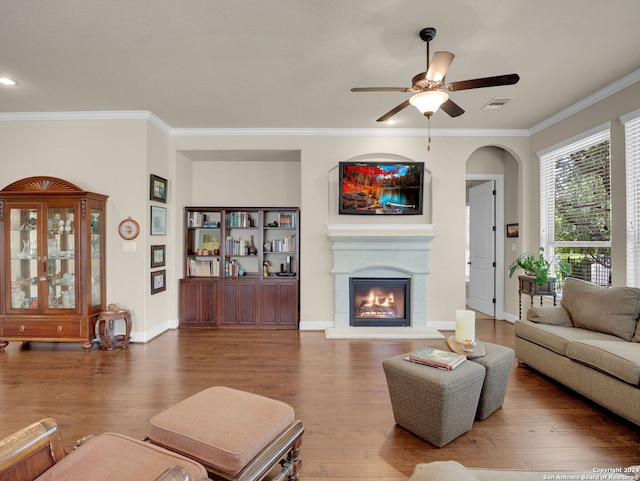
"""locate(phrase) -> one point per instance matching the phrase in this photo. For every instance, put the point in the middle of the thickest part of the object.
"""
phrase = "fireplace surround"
(381, 251)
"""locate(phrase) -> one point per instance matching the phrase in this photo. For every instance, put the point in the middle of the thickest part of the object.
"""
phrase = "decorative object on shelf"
(24, 254)
(129, 229)
(465, 325)
(158, 281)
(265, 268)
(253, 250)
(158, 220)
(537, 266)
(158, 189)
(157, 256)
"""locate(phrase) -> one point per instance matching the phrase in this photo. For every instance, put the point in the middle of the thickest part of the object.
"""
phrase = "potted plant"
(537, 266)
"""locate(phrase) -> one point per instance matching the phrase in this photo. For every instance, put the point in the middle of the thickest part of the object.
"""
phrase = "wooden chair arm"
(174, 473)
(30, 451)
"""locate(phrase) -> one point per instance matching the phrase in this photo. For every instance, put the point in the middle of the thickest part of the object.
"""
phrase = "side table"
(105, 329)
(527, 285)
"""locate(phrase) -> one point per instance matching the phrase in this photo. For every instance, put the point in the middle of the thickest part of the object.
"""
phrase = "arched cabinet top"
(43, 184)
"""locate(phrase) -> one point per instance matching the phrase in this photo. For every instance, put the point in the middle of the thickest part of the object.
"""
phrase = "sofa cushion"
(557, 338)
(554, 316)
(442, 471)
(612, 310)
(617, 358)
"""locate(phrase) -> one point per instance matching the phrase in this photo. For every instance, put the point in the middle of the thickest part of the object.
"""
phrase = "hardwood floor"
(337, 388)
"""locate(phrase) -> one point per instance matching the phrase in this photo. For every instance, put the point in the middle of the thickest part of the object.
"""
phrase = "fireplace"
(387, 251)
(380, 301)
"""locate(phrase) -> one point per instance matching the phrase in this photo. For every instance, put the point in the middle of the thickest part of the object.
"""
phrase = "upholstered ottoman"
(497, 363)
(234, 434)
(432, 403)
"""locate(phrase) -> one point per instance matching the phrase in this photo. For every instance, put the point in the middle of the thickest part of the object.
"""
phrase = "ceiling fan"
(430, 90)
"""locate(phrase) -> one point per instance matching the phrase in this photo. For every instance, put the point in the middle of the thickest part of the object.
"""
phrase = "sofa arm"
(554, 316)
(32, 450)
(442, 471)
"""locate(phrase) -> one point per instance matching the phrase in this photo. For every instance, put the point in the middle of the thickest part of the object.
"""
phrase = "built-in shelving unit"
(241, 267)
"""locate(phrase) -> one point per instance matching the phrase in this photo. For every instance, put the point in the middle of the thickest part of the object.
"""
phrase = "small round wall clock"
(129, 229)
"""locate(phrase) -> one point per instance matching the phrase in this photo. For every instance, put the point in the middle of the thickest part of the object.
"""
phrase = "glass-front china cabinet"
(53, 264)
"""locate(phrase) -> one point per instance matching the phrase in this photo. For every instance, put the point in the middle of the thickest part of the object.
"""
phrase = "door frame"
(499, 237)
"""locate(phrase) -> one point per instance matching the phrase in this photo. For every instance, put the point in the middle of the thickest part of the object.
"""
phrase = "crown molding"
(379, 132)
(601, 94)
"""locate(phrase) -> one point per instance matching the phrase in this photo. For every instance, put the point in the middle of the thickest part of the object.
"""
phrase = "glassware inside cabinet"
(61, 263)
(96, 257)
(25, 258)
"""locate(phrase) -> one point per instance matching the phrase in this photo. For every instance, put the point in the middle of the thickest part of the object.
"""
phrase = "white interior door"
(482, 250)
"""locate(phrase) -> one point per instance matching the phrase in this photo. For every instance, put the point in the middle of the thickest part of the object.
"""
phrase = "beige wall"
(318, 157)
(108, 157)
(115, 157)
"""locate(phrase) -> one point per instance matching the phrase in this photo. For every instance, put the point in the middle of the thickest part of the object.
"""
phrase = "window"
(575, 204)
(632, 154)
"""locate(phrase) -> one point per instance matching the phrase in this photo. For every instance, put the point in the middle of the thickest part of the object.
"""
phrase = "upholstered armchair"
(36, 452)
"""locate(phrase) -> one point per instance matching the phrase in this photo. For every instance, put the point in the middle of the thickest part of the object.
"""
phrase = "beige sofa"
(453, 471)
(590, 343)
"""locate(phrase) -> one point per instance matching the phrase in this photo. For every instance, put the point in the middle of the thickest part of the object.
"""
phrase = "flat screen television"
(388, 188)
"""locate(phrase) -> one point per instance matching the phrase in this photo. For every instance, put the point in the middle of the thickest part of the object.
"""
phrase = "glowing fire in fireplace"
(377, 303)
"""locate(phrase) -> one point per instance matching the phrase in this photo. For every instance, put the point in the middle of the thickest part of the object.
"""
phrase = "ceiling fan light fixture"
(429, 102)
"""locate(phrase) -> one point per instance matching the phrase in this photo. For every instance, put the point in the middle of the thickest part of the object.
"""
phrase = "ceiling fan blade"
(439, 65)
(380, 89)
(478, 83)
(394, 111)
(452, 108)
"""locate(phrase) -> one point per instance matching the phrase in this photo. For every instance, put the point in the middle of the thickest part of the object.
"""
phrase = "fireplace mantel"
(381, 250)
(381, 230)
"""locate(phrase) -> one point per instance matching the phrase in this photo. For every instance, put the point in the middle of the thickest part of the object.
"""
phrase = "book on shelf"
(203, 268)
(430, 356)
(287, 219)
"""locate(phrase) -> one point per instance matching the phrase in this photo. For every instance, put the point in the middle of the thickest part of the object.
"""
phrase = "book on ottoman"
(433, 357)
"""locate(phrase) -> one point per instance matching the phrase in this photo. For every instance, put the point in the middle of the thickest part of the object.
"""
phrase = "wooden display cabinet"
(53, 264)
(241, 267)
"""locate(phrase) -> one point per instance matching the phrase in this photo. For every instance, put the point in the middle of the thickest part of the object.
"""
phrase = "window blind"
(575, 202)
(632, 156)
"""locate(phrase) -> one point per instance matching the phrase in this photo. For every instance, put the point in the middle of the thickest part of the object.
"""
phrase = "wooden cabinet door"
(279, 304)
(198, 304)
(239, 303)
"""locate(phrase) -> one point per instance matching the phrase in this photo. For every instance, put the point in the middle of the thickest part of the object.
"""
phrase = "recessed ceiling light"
(7, 81)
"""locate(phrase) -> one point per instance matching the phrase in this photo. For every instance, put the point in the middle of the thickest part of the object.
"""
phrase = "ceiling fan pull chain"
(429, 134)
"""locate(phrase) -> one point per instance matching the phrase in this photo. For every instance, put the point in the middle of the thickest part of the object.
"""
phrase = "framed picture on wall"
(513, 230)
(157, 256)
(158, 281)
(158, 189)
(158, 220)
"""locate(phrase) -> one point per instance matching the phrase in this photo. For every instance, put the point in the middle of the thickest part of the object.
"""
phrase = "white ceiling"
(290, 63)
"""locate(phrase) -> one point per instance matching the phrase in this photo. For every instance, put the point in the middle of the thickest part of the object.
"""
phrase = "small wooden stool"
(105, 331)
(236, 435)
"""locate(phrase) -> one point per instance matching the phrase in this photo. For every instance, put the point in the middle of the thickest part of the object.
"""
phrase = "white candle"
(465, 325)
